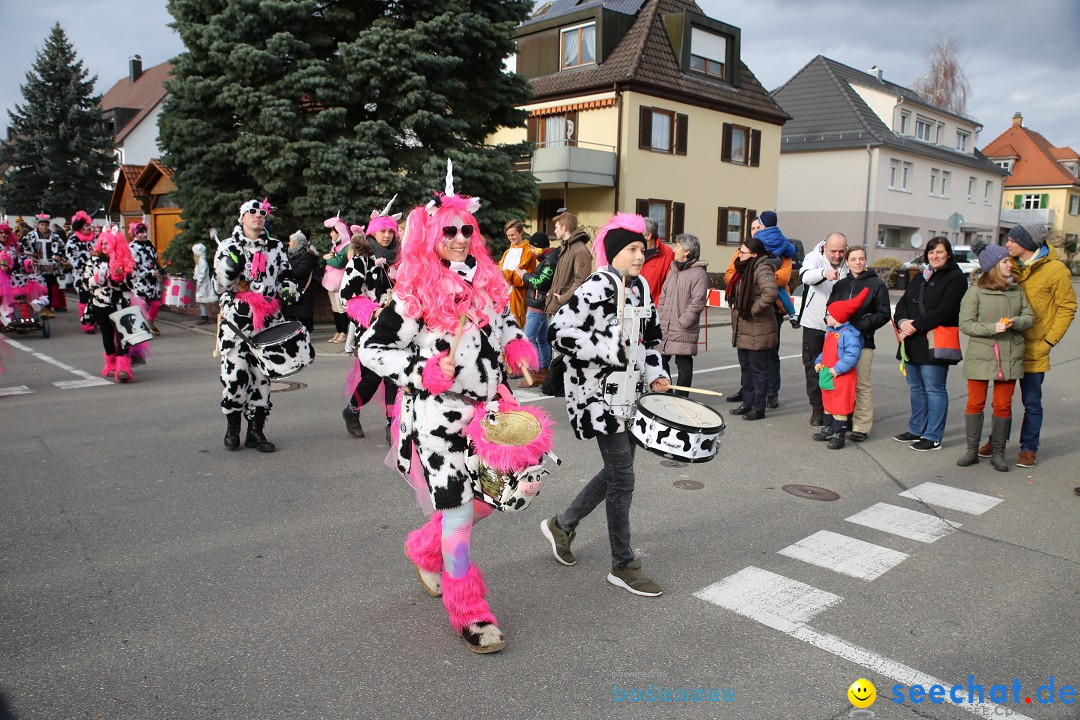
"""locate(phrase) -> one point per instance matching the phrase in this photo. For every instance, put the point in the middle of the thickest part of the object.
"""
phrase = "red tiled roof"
(143, 95)
(1065, 153)
(131, 174)
(644, 57)
(1036, 163)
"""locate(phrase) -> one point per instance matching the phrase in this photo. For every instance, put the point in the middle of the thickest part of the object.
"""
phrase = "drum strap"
(239, 333)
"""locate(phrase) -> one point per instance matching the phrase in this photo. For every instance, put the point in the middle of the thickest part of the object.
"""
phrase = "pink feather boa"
(360, 308)
(521, 350)
(433, 379)
(261, 306)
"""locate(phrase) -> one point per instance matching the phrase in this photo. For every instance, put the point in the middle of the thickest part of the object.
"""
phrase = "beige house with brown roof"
(645, 106)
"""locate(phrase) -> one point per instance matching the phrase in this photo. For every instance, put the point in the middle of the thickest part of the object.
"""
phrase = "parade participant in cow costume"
(78, 247)
(447, 288)
(366, 290)
(591, 330)
(45, 245)
(108, 276)
(147, 274)
(248, 269)
(15, 279)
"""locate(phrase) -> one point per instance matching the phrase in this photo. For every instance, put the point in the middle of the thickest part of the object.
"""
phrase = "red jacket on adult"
(657, 263)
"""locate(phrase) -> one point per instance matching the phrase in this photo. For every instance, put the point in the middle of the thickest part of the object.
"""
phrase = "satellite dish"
(916, 241)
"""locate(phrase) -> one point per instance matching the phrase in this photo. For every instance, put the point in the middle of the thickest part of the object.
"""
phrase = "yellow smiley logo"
(862, 693)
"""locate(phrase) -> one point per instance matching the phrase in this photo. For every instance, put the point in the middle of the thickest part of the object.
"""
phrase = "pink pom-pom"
(361, 308)
(433, 378)
(520, 350)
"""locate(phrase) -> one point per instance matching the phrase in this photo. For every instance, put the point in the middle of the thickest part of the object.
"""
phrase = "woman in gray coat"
(751, 291)
(993, 314)
(681, 302)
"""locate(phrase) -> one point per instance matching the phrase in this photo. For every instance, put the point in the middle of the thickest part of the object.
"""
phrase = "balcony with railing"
(1019, 217)
(571, 162)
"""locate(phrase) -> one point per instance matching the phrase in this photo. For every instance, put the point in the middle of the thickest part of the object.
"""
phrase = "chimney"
(135, 68)
(1018, 120)
(876, 72)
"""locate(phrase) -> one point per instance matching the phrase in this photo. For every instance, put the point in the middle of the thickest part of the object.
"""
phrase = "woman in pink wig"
(448, 295)
(109, 275)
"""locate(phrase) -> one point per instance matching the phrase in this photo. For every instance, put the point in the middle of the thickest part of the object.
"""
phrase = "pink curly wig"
(113, 243)
(428, 289)
(135, 226)
(7, 236)
(382, 222)
(626, 221)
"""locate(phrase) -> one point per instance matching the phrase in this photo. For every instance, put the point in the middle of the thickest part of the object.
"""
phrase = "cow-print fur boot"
(232, 431)
(255, 438)
(469, 613)
(424, 548)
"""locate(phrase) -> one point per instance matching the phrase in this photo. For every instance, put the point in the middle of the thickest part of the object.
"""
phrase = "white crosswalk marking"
(952, 498)
(905, 523)
(768, 598)
(15, 390)
(76, 384)
(844, 554)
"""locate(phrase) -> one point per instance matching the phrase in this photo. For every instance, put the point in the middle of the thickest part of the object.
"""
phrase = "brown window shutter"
(642, 208)
(725, 148)
(645, 128)
(571, 120)
(532, 125)
(755, 148)
(682, 125)
(751, 216)
(721, 226)
(678, 211)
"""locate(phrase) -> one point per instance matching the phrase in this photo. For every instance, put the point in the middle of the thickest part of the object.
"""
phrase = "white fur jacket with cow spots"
(586, 331)
(404, 350)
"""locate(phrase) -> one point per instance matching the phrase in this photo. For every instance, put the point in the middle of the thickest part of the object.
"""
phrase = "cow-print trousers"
(244, 385)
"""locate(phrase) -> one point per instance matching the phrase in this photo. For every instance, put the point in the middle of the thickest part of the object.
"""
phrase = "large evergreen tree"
(331, 105)
(62, 157)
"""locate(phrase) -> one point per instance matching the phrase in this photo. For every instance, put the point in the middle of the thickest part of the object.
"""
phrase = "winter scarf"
(387, 254)
(743, 291)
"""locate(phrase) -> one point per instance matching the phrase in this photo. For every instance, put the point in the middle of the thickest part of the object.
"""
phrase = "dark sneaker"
(906, 437)
(856, 436)
(560, 541)
(817, 419)
(837, 441)
(825, 434)
(631, 579)
(772, 401)
(924, 445)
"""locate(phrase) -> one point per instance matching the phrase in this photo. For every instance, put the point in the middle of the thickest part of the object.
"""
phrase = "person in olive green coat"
(994, 315)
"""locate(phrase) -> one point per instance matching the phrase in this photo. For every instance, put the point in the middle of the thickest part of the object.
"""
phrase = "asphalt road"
(145, 572)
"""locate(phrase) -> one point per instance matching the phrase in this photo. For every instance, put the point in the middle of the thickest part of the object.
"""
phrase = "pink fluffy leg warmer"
(464, 600)
(424, 546)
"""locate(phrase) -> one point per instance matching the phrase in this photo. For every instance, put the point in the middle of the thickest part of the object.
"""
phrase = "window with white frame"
(578, 45)
(1032, 202)
(940, 133)
(934, 172)
(963, 138)
(905, 121)
(734, 226)
(708, 52)
(1074, 204)
(986, 193)
(946, 176)
(894, 173)
(971, 188)
(923, 129)
(905, 176)
(1005, 165)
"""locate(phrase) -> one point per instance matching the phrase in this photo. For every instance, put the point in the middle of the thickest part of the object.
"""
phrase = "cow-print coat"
(105, 291)
(586, 331)
(147, 282)
(398, 348)
(245, 386)
(78, 254)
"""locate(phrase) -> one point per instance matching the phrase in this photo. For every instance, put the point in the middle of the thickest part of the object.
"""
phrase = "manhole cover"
(810, 492)
(688, 484)
(672, 463)
(286, 386)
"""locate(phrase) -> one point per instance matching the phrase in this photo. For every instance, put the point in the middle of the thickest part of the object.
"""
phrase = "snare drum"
(131, 326)
(179, 291)
(677, 428)
(282, 350)
(47, 267)
(510, 446)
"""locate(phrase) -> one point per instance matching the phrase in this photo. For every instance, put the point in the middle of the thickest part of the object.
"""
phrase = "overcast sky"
(1018, 56)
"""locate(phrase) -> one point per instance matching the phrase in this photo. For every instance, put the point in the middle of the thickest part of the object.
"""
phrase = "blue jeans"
(536, 329)
(615, 485)
(929, 400)
(1031, 396)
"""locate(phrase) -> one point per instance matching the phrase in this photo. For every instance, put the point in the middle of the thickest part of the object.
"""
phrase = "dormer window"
(578, 45)
(708, 53)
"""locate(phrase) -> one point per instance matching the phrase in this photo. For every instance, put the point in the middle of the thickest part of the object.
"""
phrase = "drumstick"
(526, 372)
(217, 334)
(457, 335)
(682, 408)
(685, 388)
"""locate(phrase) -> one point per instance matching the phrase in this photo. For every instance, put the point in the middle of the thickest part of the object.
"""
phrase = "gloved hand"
(233, 265)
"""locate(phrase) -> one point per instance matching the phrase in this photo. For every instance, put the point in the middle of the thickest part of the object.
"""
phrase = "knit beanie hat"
(1030, 236)
(768, 218)
(539, 239)
(617, 239)
(989, 255)
(842, 310)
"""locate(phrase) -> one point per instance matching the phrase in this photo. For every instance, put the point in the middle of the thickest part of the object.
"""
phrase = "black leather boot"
(232, 430)
(255, 438)
(352, 422)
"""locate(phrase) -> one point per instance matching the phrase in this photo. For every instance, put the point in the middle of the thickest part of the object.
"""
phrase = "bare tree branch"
(945, 83)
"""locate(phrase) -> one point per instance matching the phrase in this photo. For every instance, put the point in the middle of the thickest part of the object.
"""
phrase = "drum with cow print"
(677, 428)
